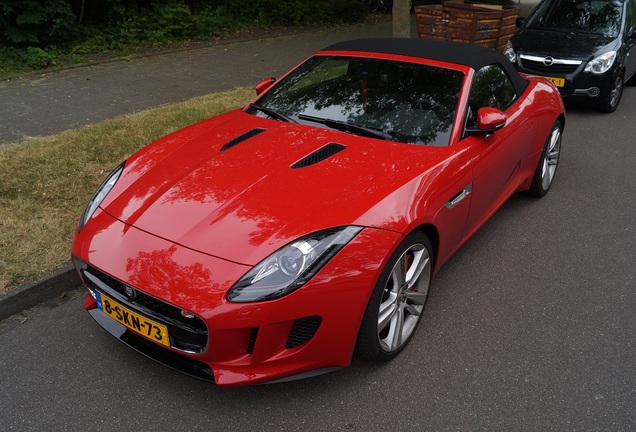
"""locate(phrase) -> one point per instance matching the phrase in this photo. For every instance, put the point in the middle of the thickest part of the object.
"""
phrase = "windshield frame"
(272, 96)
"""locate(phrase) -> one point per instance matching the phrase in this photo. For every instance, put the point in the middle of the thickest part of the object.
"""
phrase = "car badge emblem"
(186, 314)
(131, 293)
(548, 61)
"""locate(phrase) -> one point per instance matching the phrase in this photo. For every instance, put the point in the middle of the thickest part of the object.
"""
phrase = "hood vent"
(239, 139)
(319, 155)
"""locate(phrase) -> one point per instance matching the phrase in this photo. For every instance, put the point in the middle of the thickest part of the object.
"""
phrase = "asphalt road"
(52, 102)
(529, 327)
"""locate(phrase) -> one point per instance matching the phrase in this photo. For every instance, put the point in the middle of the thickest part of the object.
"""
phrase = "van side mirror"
(519, 22)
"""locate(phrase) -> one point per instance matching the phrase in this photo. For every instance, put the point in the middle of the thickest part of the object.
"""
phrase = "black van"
(587, 48)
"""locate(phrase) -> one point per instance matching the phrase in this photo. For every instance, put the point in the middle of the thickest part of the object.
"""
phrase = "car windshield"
(601, 17)
(398, 101)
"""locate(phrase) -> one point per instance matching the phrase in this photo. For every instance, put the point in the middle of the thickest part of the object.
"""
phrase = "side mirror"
(519, 22)
(264, 85)
(489, 120)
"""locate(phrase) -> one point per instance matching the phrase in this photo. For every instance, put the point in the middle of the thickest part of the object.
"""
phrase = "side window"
(631, 16)
(491, 87)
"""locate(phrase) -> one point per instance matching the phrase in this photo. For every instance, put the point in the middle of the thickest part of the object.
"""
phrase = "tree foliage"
(35, 34)
(42, 23)
(34, 21)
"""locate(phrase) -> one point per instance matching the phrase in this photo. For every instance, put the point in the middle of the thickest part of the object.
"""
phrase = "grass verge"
(45, 183)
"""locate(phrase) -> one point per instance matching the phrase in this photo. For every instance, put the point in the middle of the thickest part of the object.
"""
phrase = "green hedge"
(36, 34)
(44, 23)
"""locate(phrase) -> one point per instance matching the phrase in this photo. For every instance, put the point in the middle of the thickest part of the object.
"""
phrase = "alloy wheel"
(404, 297)
(551, 158)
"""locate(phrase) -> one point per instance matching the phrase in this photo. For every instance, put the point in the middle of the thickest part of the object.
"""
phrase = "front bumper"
(312, 330)
(577, 84)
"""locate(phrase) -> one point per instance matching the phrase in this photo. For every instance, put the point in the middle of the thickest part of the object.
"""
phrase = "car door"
(497, 157)
(630, 40)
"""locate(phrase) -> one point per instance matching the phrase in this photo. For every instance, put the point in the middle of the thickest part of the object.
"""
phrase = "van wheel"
(613, 98)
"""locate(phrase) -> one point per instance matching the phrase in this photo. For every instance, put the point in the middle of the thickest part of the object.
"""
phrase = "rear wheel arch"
(561, 118)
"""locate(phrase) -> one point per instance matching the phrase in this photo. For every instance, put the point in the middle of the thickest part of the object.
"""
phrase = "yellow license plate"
(132, 320)
(559, 82)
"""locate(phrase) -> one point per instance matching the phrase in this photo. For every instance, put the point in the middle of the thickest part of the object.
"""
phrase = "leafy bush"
(25, 59)
(35, 34)
(168, 19)
(215, 21)
(37, 58)
(295, 12)
(34, 21)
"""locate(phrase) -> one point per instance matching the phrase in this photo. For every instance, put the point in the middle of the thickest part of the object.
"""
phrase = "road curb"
(38, 292)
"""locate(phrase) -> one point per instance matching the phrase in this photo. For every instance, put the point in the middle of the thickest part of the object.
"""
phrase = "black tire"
(548, 162)
(399, 296)
(613, 97)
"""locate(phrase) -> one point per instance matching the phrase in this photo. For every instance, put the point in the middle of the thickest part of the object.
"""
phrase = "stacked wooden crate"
(509, 15)
(467, 22)
(431, 21)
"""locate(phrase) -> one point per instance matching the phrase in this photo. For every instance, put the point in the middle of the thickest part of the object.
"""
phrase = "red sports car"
(272, 242)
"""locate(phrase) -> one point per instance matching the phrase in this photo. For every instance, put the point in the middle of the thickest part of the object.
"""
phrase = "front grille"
(186, 334)
(303, 330)
(555, 69)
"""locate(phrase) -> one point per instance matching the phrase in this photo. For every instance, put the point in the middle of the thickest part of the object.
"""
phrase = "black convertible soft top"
(465, 54)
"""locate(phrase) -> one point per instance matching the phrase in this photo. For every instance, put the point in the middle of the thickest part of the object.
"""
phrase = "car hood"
(239, 186)
(559, 44)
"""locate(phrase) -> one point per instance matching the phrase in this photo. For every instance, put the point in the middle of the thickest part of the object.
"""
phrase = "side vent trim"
(319, 155)
(239, 139)
(252, 342)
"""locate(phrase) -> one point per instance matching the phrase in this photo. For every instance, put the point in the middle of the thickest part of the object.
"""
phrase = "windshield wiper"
(347, 127)
(273, 114)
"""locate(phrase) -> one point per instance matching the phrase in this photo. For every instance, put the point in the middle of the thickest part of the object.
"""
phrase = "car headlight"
(99, 195)
(292, 266)
(510, 52)
(602, 63)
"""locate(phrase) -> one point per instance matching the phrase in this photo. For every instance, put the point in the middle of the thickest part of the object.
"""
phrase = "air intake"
(239, 139)
(319, 155)
(303, 330)
(252, 341)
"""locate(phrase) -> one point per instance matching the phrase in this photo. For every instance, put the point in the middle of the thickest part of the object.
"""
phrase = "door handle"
(460, 196)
